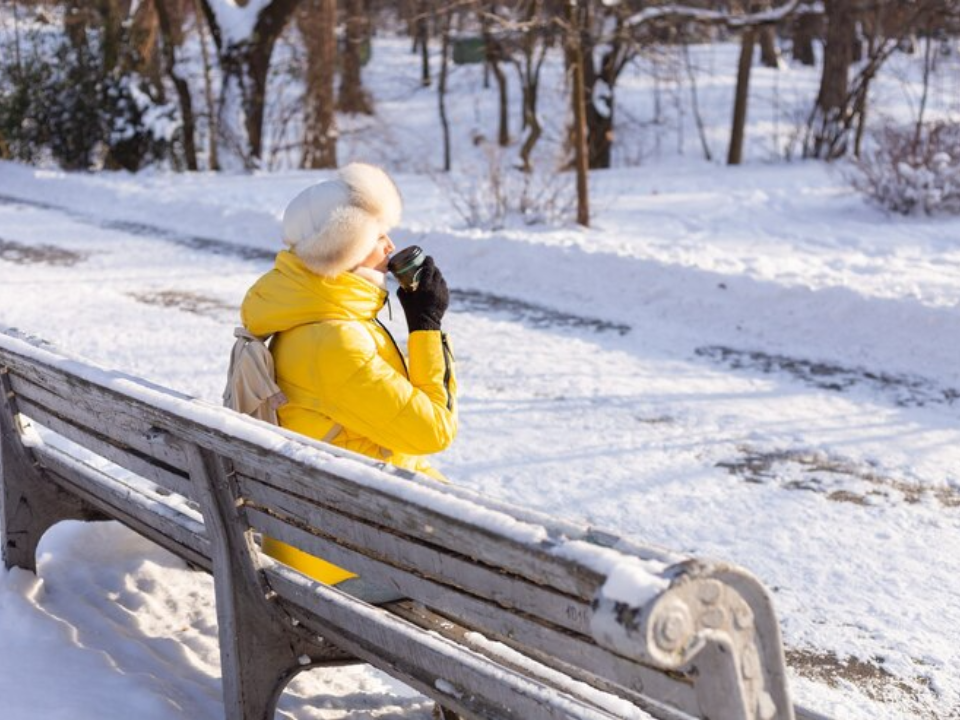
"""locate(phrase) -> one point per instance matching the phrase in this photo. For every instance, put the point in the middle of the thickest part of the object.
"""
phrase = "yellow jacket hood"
(291, 295)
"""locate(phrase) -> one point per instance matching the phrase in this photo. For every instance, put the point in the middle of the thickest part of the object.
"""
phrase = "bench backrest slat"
(182, 535)
(82, 404)
(457, 535)
(387, 545)
(376, 636)
(108, 448)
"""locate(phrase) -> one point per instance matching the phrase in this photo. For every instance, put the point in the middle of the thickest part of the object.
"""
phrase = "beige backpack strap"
(251, 386)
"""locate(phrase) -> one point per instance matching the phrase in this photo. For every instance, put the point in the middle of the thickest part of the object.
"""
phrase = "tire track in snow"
(903, 390)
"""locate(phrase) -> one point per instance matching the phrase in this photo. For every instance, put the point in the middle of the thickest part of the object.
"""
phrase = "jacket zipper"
(447, 357)
(397, 347)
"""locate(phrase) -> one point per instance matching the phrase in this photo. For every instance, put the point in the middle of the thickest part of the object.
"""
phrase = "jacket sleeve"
(416, 416)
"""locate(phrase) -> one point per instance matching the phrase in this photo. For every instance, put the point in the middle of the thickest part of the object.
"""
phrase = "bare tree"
(245, 37)
(578, 14)
(607, 47)
(495, 55)
(317, 21)
(171, 33)
(747, 42)
(442, 86)
(422, 41)
(842, 101)
(213, 133)
(767, 35)
(805, 28)
(533, 52)
(353, 98)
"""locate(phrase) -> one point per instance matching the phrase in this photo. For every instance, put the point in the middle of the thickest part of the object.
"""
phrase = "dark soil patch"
(194, 242)
(536, 315)
(22, 254)
(906, 390)
(185, 301)
(463, 300)
(839, 479)
(875, 681)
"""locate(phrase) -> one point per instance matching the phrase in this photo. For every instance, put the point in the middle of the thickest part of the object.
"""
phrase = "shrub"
(490, 195)
(61, 101)
(911, 172)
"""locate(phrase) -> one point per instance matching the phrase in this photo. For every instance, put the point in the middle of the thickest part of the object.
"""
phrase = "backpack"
(251, 380)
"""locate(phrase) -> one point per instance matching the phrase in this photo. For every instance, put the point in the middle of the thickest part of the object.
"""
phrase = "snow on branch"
(718, 17)
(235, 22)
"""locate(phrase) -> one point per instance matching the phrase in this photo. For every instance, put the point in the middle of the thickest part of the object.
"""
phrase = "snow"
(608, 702)
(743, 363)
(237, 22)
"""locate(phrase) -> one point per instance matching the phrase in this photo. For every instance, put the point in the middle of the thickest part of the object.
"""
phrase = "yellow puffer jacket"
(344, 376)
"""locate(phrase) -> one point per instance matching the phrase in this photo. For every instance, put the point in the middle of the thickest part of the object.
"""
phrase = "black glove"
(425, 306)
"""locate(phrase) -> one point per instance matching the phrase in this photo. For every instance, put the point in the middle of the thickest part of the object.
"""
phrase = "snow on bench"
(492, 610)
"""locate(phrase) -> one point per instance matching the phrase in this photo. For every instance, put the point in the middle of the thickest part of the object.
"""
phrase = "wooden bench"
(507, 613)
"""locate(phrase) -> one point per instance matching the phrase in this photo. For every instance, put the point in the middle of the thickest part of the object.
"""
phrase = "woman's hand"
(425, 306)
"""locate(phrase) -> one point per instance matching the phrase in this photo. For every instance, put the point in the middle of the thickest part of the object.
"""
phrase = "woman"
(343, 375)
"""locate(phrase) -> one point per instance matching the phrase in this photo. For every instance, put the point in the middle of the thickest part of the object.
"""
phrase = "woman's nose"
(390, 246)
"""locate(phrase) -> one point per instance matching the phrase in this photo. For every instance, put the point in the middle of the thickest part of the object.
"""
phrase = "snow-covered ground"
(745, 363)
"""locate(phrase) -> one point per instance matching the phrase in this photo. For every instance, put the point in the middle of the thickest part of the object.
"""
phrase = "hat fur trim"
(334, 225)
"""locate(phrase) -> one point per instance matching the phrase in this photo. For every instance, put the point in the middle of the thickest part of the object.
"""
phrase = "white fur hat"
(332, 226)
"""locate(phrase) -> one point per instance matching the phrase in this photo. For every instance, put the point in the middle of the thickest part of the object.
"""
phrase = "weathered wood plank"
(85, 405)
(109, 448)
(169, 528)
(486, 617)
(29, 503)
(460, 535)
(564, 677)
(454, 676)
(427, 561)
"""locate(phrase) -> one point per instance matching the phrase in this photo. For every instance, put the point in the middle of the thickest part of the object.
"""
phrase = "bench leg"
(261, 649)
(30, 503)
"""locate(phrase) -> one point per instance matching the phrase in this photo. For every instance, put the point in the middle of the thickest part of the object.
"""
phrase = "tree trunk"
(169, 40)
(533, 45)
(735, 155)
(856, 42)
(578, 98)
(599, 83)
(143, 39)
(244, 64)
(423, 40)
(213, 132)
(769, 52)
(804, 29)
(826, 128)
(494, 58)
(442, 90)
(353, 98)
(317, 20)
